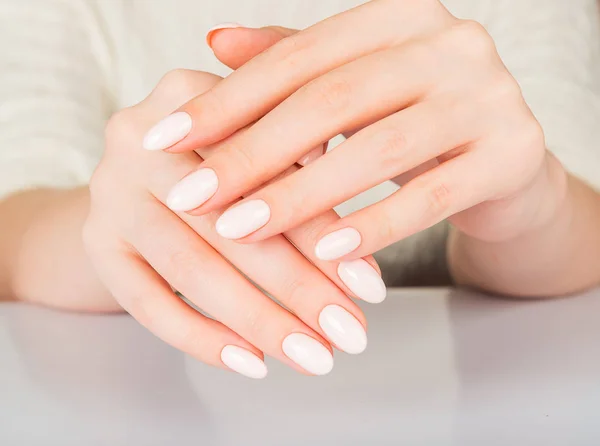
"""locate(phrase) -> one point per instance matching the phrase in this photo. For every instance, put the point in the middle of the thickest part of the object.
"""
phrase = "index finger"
(265, 81)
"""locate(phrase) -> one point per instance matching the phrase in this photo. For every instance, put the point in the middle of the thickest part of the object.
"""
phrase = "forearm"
(558, 258)
(42, 259)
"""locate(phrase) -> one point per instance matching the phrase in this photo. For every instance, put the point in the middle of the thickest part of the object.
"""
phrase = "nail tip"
(167, 132)
(219, 27)
(325, 371)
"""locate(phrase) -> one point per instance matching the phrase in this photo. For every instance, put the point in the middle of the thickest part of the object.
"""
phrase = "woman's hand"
(141, 249)
(429, 103)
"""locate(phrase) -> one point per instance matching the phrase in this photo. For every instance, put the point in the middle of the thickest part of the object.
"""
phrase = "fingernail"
(343, 329)
(243, 219)
(193, 190)
(308, 353)
(363, 280)
(167, 132)
(337, 244)
(313, 155)
(244, 362)
(228, 25)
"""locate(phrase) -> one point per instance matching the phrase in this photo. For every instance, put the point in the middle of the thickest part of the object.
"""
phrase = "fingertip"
(236, 46)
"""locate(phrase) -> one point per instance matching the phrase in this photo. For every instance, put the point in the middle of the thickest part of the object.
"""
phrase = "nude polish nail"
(243, 362)
(167, 132)
(243, 219)
(337, 244)
(308, 353)
(343, 329)
(219, 27)
(363, 280)
(193, 190)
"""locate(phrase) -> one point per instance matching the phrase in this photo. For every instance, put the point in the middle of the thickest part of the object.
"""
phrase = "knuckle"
(180, 85)
(329, 92)
(506, 86)
(244, 160)
(392, 147)
(100, 184)
(294, 291)
(310, 232)
(211, 103)
(177, 81)
(440, 199)
(386, 228)
(175, 77)
(120, 127)
(255, 322)
(473, 39)
(286, 51)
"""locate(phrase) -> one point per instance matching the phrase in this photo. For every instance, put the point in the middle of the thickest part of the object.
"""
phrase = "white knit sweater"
(66, 65)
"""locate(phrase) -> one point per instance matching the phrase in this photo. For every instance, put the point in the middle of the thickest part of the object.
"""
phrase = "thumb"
(234, 45)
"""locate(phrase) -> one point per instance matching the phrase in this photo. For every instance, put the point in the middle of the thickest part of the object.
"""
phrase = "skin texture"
(487, 168)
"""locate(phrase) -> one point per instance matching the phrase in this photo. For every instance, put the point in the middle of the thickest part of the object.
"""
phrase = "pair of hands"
(141, 249)
(424, 99)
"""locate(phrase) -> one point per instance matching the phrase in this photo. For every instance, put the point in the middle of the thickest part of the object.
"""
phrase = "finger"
(248, 93)
(282, 271)
(150, 300)
(360, 278)
(456, 185)
(236, 46)
(196, 270)
(337, 101)
(378, 153)
(363, 280)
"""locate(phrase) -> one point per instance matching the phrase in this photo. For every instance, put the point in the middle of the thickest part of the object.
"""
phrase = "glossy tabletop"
(442, 368)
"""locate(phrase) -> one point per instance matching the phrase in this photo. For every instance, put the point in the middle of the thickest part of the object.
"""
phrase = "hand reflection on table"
(103, 375)
(442, 368)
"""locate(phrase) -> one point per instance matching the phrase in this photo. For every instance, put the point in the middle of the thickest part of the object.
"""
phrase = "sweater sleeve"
(552, 49)
(54, 95)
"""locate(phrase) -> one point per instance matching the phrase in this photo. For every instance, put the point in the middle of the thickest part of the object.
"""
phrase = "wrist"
(549, 195)
(43, 260)
(527, 210)
(16, 213)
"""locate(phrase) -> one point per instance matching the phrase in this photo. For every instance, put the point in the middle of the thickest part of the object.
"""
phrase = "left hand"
(433, 105)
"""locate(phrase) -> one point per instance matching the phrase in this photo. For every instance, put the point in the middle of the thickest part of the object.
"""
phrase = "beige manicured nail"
(337, 244)
(363, 280)
(168, 131)
(243, 219)
(193, 190)
(243, 361)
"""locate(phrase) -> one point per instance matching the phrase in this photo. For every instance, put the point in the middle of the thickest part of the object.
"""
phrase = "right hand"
(142, 250)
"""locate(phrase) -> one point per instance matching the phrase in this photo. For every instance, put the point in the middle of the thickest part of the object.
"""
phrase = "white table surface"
(442, 368)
